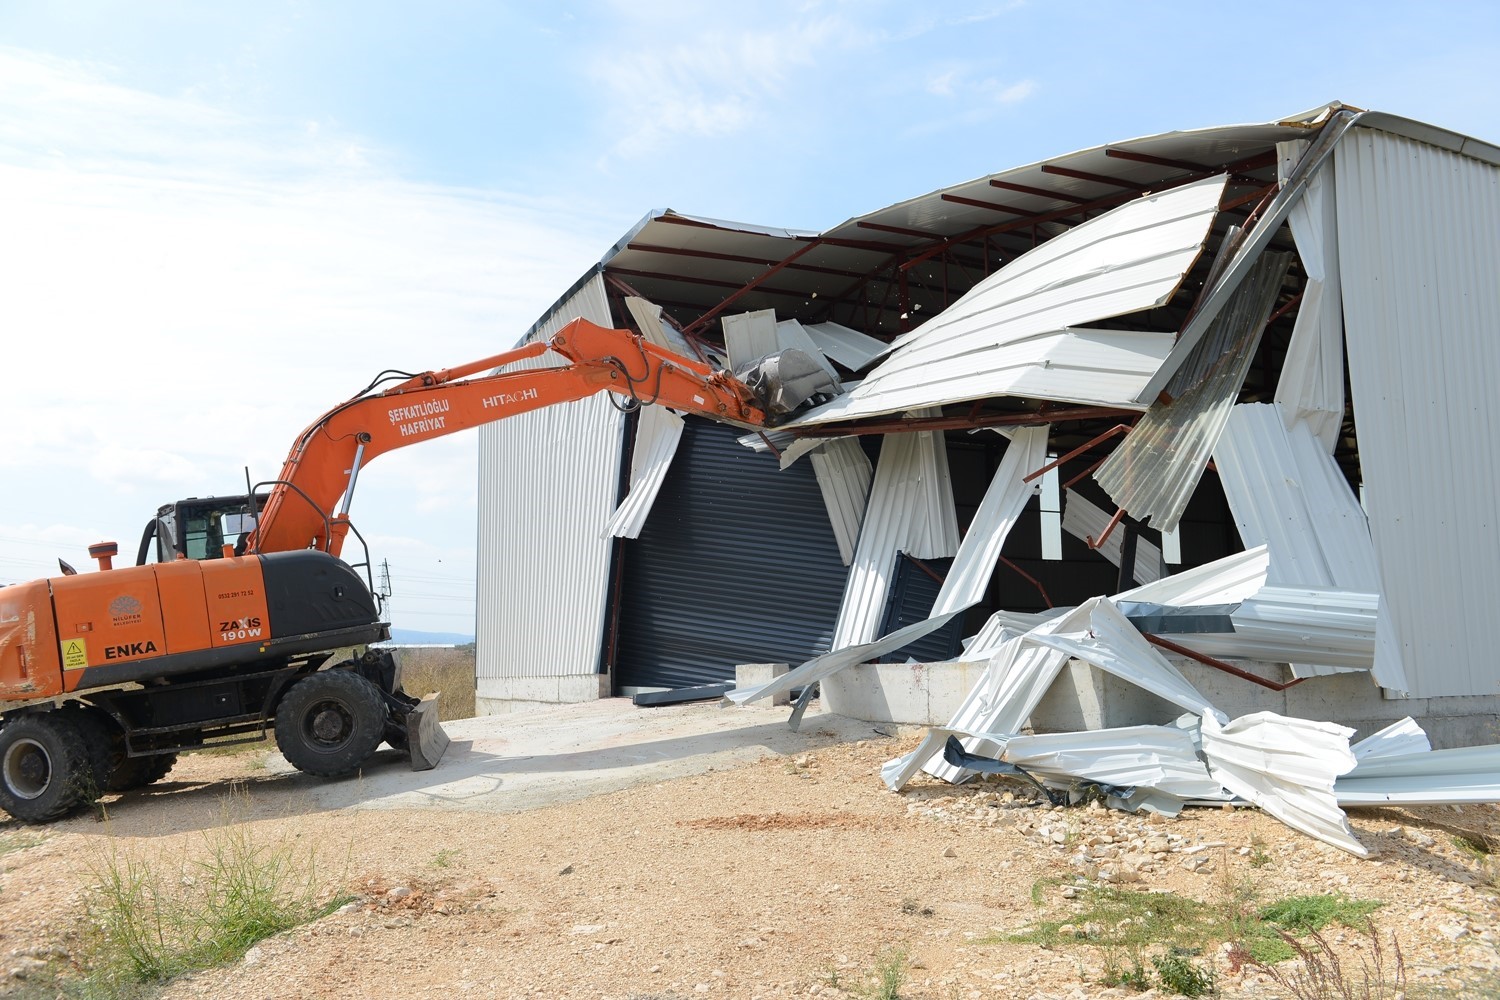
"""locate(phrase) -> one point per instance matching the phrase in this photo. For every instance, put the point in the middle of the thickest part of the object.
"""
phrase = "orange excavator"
(105, 677)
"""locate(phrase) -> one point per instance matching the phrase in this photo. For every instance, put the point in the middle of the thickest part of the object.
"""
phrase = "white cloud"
(187, 289)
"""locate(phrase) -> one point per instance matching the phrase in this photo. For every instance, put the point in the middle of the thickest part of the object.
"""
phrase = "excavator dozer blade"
(425, 739)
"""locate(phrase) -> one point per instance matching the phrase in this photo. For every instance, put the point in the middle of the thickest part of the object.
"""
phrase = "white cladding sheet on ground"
(1287, 767)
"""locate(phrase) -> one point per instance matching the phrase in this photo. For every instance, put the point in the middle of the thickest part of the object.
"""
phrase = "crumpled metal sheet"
(1022, 331)
(1287, 767)
(1154, 471)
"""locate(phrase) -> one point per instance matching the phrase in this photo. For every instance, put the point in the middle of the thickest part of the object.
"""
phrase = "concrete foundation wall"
(929, 694)
(502, 695)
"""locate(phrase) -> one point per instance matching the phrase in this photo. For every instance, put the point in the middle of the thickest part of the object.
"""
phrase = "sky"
(219, 220)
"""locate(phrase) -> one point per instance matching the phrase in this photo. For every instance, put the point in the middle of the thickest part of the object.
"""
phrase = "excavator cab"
(198, 528)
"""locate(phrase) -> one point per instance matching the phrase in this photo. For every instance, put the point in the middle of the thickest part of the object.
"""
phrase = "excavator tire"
(138, 772)
(45, 771)
(113, 769)
(330, 722)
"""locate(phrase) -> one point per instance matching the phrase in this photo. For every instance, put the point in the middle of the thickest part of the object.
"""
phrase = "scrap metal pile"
(1306, 592)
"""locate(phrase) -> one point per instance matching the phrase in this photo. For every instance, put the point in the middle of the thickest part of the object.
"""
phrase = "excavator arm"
(325, 462)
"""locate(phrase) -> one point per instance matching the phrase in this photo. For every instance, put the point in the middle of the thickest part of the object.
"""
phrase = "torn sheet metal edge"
(1332, 628)
(1258, 239)
(1112, 644)
(1434, 777)
(792, 334)
(894, 519)
(1085, 520)
(969, 576)
(844, 472)
(1311, 387)
(850, 348)
(1228, 580)
(1129, 259)
(1395, 740)
(749, 336)
(657, 328)
(1287, 767)
(830, 663)
(993, 633)
(1157, 467)
(657, 436)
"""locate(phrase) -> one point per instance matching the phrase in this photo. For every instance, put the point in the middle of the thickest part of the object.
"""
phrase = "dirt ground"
(791, 876)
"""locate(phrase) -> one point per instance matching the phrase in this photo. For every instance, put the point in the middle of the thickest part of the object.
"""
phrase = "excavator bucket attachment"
(425, 739)
(411, 724)
(784, 381)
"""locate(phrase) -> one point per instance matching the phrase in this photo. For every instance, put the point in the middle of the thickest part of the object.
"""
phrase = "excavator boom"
(325, 462)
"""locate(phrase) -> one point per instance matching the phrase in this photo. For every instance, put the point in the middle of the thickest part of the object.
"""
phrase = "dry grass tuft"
(450, 672)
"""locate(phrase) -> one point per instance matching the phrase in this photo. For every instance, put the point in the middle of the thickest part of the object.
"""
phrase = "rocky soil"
(793, 876)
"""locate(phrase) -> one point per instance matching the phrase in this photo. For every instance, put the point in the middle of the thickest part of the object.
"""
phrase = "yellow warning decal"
(75, 654)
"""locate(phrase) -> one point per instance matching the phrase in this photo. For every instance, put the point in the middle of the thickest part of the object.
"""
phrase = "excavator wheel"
(138, 772)
(330, 722)
(45, 771)
(113, 769)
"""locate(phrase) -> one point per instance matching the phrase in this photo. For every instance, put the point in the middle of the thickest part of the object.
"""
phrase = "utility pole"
(385, 586)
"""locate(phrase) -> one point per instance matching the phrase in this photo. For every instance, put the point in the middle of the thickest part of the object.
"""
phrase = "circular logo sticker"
(125, 605)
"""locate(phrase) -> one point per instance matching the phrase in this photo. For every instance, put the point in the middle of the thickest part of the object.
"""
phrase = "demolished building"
(1223, 386)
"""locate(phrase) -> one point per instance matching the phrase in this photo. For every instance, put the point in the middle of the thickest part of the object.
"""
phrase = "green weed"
(1179, 974)
(151, 919)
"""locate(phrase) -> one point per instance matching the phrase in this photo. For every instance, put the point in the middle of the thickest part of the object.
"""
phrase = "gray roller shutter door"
(737, 563)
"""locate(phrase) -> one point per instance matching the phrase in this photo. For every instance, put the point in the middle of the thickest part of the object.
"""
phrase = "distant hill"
(406, 635)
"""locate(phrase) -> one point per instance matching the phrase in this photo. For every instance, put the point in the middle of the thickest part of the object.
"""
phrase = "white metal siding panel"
(749, 336)
(657, 433)
(897, 518)
(1311, 388)
(648, 317)
(849, 348)
(547, 483)
(1155, 470)
(1083, 520)
(969, 576)
(1015, 332)
(1419, 240)
(844, 473)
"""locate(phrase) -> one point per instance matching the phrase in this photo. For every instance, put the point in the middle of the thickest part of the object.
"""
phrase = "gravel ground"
(791, 876)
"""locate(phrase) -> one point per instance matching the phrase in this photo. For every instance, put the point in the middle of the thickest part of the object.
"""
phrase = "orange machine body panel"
(30, 659)
(112, 616)
(140, 613)
(236, 601)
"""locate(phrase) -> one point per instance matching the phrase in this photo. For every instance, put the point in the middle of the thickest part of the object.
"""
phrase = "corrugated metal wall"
(1419, 238)
(736, 564)
(548, 482)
